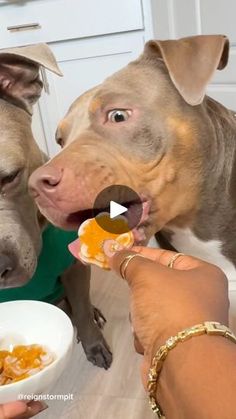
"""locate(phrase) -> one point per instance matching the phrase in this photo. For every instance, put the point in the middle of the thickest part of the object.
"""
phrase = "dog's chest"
(185, 241)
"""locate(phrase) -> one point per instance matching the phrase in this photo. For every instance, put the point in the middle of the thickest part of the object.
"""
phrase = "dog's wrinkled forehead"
(124, 89)
(189, 64)
(169, 76)
(76, 120)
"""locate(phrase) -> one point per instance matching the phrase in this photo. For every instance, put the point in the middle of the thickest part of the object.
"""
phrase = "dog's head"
(20, 88)
(142, 127)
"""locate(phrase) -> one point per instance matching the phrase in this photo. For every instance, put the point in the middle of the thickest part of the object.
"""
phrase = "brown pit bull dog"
(21, 224)
(151, 127)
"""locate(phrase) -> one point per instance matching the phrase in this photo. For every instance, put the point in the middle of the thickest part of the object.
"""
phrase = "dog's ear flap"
(191, 62)
(19, 73)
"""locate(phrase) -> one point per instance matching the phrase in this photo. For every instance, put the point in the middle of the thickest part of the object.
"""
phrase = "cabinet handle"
(24, 27)
(45, 80)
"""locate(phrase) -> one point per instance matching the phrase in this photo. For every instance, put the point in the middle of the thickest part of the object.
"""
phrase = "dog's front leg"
(86, 318)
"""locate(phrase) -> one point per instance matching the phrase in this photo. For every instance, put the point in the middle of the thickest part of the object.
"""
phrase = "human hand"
(165, 301)
(21, 409)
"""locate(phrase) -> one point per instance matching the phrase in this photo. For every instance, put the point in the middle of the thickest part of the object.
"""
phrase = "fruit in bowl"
(36, 340)
(22, 361)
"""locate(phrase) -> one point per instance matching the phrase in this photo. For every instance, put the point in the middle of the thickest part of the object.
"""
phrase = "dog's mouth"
(78, 217)
(137, 217)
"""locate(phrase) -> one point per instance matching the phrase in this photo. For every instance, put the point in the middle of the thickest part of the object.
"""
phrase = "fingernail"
(110, 247)
(44, 406)
(34, 410)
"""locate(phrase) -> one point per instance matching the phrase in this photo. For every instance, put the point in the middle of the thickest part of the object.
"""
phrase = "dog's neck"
(216, 218)
(220, 152)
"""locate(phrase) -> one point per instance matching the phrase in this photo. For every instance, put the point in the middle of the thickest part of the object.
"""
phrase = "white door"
(179, 18)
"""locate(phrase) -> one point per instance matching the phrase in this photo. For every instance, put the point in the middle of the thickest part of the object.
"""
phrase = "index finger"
(136, 268)
(162, 256)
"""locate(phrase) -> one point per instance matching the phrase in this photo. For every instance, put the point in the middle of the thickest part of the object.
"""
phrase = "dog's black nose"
(7, 265)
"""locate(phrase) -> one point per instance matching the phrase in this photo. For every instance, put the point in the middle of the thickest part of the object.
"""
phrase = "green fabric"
(53, 260)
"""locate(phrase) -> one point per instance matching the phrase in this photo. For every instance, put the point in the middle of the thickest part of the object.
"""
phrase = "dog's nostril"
(44, 179)
(50, 182)
(7, 265)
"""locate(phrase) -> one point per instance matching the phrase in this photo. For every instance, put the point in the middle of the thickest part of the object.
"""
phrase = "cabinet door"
(30, 21)
(84, 63)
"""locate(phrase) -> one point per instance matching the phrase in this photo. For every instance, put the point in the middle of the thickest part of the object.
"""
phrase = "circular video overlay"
(118, 209)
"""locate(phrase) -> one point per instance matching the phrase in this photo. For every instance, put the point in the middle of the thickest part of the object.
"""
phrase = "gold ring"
(173, 259)
(125, 262)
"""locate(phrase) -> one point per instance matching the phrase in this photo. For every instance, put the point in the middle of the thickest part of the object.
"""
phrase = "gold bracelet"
(209, 328)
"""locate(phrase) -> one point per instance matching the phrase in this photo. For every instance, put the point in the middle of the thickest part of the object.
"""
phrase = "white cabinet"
(90, 39)
(27, 22)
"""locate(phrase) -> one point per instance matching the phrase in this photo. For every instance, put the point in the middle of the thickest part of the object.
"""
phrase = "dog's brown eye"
(10, 178)
(118, 115)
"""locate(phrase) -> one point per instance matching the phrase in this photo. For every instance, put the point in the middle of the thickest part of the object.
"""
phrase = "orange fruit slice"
(92, 237)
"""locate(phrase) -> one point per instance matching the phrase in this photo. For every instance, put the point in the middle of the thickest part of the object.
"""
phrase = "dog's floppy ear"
(19, 73)
(191, 62)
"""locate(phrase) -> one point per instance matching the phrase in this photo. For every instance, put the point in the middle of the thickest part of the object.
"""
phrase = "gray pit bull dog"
(151, 127)
(21, 224)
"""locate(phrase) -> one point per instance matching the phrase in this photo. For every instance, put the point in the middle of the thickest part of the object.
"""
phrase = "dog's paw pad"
(100, 355)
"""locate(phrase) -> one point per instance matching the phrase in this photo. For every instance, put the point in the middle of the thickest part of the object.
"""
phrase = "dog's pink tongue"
(74, 248)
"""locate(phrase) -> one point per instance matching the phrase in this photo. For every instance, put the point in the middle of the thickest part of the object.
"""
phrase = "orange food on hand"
(92, 238)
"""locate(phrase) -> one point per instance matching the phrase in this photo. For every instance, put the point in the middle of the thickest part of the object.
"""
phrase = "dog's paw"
(99, 319)
(99, 354)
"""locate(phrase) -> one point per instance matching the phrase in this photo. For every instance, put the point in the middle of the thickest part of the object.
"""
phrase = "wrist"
(160, 338)
(180, 365)
(189, 375)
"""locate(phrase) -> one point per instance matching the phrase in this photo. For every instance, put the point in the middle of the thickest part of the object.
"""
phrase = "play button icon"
(122, 204)
(116, 209)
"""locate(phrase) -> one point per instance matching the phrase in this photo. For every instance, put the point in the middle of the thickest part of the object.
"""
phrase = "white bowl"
(28, 322)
